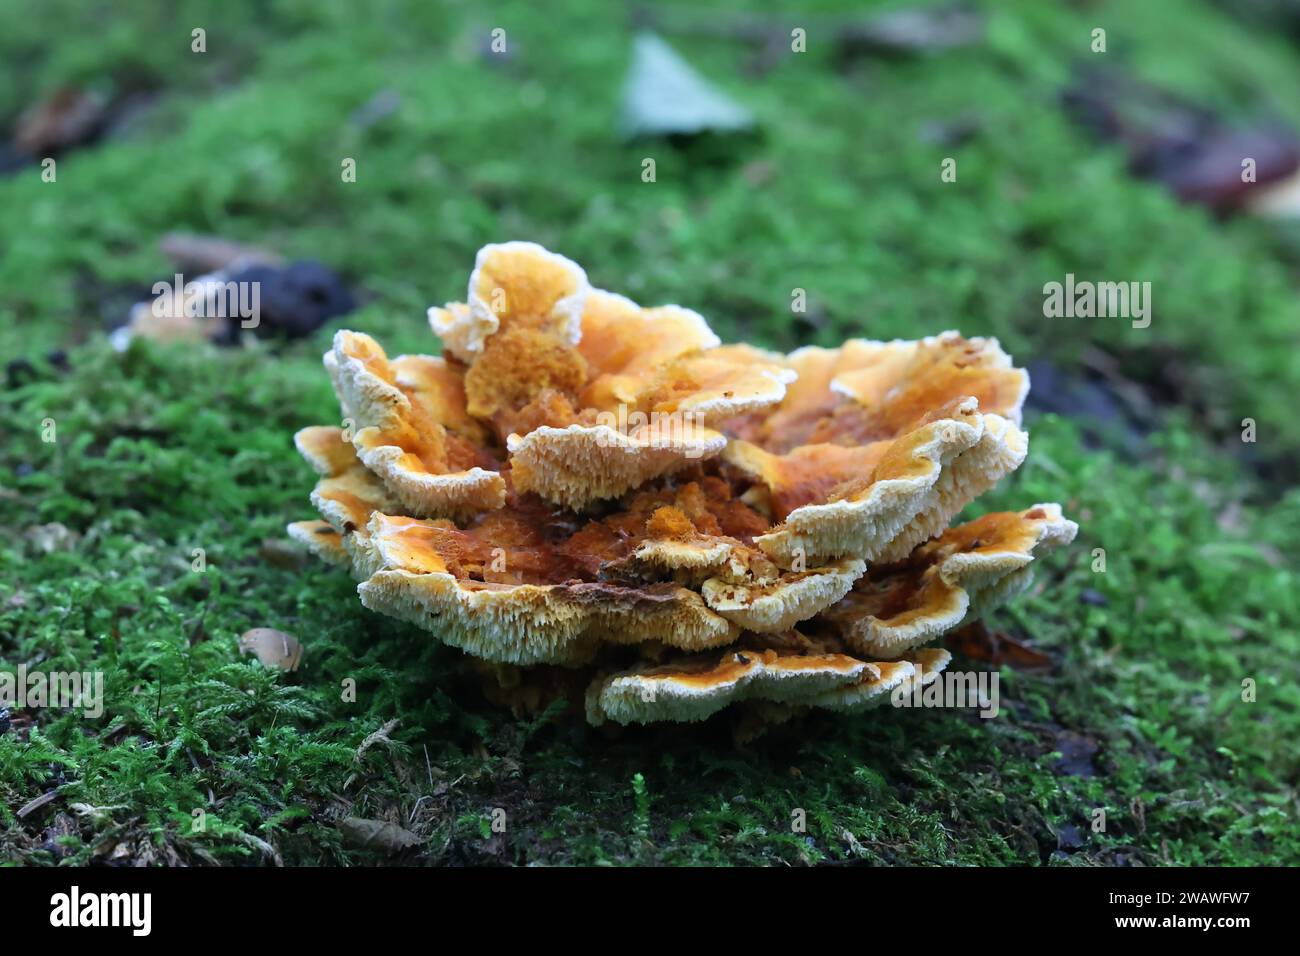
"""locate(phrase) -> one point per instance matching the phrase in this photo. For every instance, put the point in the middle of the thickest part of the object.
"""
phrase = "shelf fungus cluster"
(599, 501)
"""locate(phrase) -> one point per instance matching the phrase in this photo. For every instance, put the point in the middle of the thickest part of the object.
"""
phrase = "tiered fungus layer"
(582, 492)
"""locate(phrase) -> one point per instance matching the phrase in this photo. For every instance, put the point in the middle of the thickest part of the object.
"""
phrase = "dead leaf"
(1193, 150)
(855, 846)
(896, 33)
(197, 253)
(1280, 200)
(910, 32)
(377, 835)
(273, 648)
(664, 96)
(283, 554)
(68, 117)
(379, 736)
(268, 851)
(52, 537)
(979, 643)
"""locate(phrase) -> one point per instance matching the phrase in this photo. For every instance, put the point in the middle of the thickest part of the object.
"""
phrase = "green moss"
(162, 451)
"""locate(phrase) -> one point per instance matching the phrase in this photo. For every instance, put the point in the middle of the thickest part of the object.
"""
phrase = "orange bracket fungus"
(599, 501)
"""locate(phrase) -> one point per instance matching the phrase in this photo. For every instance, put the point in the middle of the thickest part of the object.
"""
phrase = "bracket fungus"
(697, 688)
(965, 572)
(591, 394)
(878, 445)
(600, 501)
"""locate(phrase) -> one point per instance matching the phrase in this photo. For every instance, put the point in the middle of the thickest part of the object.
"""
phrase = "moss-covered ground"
(163, 450)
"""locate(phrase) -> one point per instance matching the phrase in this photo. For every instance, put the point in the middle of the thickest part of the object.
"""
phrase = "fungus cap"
(347, 493)
(528, 585)
(920, 668)
(522, 282)
(698, 688)
(321, 540)
(702, 685)
(591, 394)
(416, 578)
(412, 428)
(877, 445)
(772, 607)
(577, 465)
(947, 582)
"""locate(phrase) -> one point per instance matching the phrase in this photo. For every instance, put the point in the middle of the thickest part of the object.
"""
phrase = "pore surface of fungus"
(532, 584)
(701, 685)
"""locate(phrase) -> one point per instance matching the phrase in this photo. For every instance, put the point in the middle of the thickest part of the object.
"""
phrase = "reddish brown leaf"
(979, 643)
